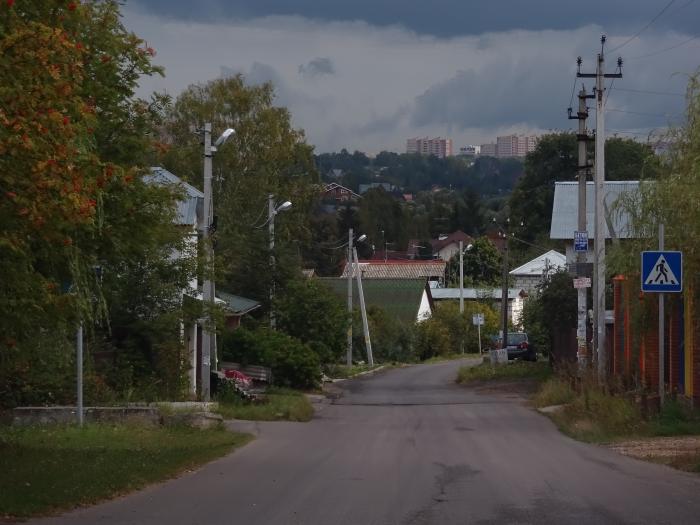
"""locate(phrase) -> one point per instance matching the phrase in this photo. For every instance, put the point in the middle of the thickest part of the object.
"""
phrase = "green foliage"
(293, 363)
(265, 156)
(482, 265)
(514, 370)
(48, 469)
(392, 340)
(553, 309)
(73, 143)
(313, 314)
(554, 391)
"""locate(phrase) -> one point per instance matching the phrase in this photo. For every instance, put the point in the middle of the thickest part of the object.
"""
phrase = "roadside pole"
(79, 366)
(662, 326)
(461, 289)
(348, 357)
(365, 325)
(208, 287)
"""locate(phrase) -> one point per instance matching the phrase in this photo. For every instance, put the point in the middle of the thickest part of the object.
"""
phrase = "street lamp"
(272, 211)
(208, 288)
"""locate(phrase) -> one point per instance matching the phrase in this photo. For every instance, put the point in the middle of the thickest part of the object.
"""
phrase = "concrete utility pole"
(271, 239)
(504, 289)
(363, 309)
(208, 286)
(461, 277)
(582, 256)
(348, 357)
(599, 242)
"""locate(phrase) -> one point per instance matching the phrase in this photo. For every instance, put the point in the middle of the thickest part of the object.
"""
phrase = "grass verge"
(539, 371)
(47, 469)
(451, 357)
(279, 405)
(345, 372)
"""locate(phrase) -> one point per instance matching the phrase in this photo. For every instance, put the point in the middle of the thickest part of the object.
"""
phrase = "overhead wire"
(647, 26)
(646, 92)
(671, 48)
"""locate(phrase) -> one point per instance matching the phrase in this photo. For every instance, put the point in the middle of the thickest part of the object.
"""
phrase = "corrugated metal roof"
(399, 298)
(237, 304)
(400, 269)
(536, 267)
(565, 209)
(475, 293)
(189, 210)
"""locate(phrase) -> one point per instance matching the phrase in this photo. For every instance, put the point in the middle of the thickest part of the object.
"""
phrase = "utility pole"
(582, 256)
(348, 358)
(599, 241)
(363, 309)
(662, 329)
(271, 231)
(461, 289)
(504, 287)
(208, 287)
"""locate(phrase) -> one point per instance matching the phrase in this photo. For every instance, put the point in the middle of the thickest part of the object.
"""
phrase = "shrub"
(292, 362)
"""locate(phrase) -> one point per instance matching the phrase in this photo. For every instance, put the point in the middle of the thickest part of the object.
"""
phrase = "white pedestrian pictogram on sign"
(661, 274)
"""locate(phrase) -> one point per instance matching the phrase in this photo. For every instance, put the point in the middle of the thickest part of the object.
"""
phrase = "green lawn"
(46, 469)
(280, 404)
(538, 371)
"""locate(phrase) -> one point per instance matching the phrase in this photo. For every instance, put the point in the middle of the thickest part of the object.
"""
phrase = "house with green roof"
(407, 300)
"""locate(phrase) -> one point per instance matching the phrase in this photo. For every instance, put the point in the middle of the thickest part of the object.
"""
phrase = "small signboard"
(662, 271)
(582, 282)
(478, 319)
(581, 241)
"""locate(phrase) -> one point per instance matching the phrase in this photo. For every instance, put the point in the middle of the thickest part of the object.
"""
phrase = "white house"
(532, 273)
(516, 298)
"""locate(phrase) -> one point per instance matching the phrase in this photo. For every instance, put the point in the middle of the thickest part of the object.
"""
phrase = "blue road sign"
(662, 272)
(581, 241)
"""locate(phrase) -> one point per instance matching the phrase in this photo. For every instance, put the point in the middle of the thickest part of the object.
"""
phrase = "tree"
(482, 264)
(73, 140)
(264, 156)
(313, 314)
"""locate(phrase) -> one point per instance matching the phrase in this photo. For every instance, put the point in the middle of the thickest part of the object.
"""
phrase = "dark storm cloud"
(448, 17)
(317, 67)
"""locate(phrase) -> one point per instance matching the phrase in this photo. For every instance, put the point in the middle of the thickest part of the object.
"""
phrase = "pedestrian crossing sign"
(662, 271)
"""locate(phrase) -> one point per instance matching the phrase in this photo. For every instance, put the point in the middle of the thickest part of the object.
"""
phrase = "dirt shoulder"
(682, 452)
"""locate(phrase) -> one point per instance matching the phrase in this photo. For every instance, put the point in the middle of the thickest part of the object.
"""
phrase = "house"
(433, 270)
(407, 300)
(565, 213)
(516, 299)
(338, 193)
(190, 216)
(446, 246)
(389, 188)
(532, 273)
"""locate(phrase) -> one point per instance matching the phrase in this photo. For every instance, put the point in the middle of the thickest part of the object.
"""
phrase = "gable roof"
(237, 304)
(565, 209)
(400, 269)
(552, 260)
(399, 298)
(335, 186)
(190, 209)
(454, 237)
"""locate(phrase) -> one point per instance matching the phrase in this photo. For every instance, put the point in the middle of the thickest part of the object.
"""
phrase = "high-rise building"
(515, 145)
(470, 150)
(488, 150)
(437, 146)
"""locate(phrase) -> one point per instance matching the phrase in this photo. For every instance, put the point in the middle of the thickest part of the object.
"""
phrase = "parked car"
(520, 348)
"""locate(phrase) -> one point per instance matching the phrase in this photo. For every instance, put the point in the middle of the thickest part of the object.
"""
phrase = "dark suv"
(520, 348)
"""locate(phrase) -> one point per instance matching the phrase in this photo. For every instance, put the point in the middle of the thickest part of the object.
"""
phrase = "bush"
(292, 362)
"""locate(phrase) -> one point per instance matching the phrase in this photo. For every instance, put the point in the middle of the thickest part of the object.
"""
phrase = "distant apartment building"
(437, 146)
(510, 146)
(488, 150)
(470, 150)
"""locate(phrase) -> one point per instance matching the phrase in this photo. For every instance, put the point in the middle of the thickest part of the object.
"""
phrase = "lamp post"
(504, 284)
(208, 287)
(272, 211)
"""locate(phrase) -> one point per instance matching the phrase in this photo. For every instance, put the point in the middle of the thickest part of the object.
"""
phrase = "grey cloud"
(317, 67)
(446, 18)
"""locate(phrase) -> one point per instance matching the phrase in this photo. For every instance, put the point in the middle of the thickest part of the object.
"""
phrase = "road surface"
(410, 447)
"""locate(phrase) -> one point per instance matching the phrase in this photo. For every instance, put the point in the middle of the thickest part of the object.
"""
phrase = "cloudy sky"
(368, 74)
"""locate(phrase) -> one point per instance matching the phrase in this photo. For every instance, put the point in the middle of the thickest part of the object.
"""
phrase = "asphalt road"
(409, 447)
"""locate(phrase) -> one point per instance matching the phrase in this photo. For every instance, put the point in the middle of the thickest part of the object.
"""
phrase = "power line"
(671, 48)
(662, 115)
(643, 91)
(658, 15)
